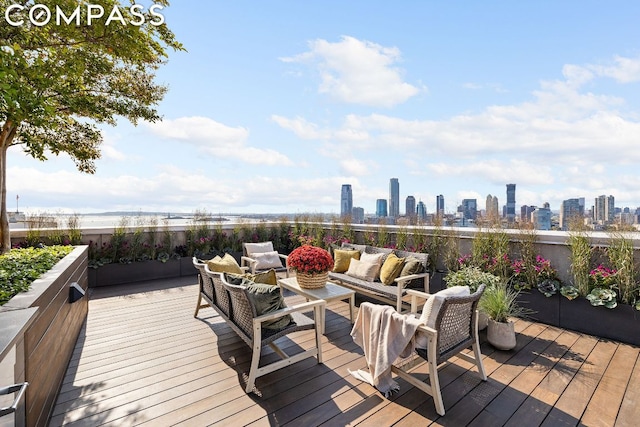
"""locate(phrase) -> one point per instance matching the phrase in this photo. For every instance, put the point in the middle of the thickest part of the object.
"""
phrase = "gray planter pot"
(501, 335)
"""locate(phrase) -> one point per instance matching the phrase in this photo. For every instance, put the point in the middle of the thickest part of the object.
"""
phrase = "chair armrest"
(284, 257)
(244, 260)
(415, 295)
(305, 306)
(427, 330)
(411, 277)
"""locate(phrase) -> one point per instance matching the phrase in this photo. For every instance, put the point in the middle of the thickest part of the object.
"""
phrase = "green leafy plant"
(620, 254)
(570, 292)
(581, 251)
(603, 296)
(500, 303)
(473, 277)
(20, 267)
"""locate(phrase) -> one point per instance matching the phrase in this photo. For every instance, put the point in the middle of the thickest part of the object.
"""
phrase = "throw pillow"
(432, 307)
(391, 269)
(342, 259)
(226, 264)
(363, 270)
(267, 260)
(377, 259)
(411, 266)
(267, 277)
(257, 248)
(267, 299)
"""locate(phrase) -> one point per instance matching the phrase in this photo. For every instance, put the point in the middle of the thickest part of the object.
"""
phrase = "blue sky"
(277, 104)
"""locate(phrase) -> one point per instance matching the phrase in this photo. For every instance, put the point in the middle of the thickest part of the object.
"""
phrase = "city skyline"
(275, 105)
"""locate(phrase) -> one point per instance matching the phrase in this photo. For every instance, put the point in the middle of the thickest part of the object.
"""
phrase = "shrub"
(20, 267)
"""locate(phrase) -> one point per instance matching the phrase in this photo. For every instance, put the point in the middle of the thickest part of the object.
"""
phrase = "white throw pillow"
(258, 248)
(267, 260)
(432, 308)
(376, 259)
(362, 270)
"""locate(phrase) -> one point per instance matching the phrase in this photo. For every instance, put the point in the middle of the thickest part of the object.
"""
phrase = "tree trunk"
(7, 132)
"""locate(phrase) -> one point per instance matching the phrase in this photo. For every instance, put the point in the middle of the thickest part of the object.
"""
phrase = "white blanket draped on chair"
(384, 335)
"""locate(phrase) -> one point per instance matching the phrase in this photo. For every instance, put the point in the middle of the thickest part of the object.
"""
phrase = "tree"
(59, 80)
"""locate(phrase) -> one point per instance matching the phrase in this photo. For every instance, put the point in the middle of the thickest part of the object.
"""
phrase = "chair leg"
(478, 356)
(255, 361)
(198, 305)
(435, 381)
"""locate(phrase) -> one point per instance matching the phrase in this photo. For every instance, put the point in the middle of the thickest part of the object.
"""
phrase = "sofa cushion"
(391, 269)
(226, 264)
(363, 269)
(266, 260)
(374, 258)
(342, 259)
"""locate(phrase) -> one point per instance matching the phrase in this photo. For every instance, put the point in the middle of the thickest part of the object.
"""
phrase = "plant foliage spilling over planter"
(20, 267)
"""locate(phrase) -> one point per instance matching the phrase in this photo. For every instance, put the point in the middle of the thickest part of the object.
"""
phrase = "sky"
(275, 105)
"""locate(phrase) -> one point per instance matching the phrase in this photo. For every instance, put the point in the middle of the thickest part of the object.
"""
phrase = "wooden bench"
(234, 305)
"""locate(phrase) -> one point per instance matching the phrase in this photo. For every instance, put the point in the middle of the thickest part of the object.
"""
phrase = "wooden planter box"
(621, 323)
(44, 347)
(118, 274)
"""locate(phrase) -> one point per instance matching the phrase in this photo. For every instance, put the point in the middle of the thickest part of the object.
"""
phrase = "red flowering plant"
(310, 260)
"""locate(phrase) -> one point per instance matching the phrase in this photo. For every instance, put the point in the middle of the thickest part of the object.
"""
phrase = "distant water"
(97, 221)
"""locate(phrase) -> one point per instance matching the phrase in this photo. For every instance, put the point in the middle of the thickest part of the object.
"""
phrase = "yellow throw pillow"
(267, 277)
(342, 258)
(391, 269)
(226, 264)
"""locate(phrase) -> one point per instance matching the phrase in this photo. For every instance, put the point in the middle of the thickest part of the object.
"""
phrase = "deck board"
(143, 359)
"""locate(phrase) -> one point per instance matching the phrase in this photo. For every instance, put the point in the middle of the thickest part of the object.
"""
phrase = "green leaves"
(20, 267)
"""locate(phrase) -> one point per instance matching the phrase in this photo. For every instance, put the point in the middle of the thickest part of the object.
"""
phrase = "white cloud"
(217, 139)
(624, 70)
(358, 72)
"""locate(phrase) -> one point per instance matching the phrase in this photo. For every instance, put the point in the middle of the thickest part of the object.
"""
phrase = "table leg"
(352, 306)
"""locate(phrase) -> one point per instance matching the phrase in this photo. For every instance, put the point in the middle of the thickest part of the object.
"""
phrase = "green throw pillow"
(267, 299)
(413, 266)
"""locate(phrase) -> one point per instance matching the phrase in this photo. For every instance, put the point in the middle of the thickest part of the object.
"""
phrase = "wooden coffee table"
(330, 292)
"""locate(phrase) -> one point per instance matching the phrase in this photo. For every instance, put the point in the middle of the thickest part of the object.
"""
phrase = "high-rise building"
(511, 203)
(357, 215)
(469, 209)
(346, 200)
(541, 218)
(410, 206)
(440, 206)
(571, 210)
(381, 208)
(604, 210)
(525, 213)
(394, 198)
(491, 208)
(421, 211)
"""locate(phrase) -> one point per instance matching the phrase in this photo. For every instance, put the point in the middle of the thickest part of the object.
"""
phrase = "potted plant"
(500, 304)
(311, 264)
(473, 277)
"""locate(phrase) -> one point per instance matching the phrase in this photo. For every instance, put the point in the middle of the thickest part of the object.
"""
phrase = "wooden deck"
(142, 359)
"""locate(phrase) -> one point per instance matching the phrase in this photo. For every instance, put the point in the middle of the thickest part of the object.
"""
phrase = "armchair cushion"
(432, 306)
(267, 260)
(226, 264)
(342, 259)
(258, 248)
